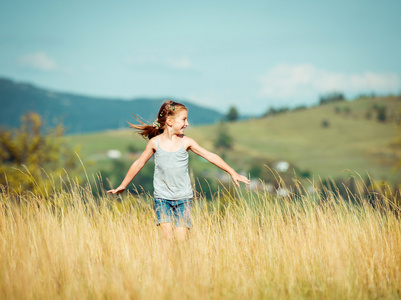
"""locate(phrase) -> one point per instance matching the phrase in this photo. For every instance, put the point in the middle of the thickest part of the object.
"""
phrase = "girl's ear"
(169, 121)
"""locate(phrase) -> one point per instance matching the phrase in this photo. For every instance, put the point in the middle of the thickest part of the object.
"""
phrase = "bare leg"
(167, 235)
(181, 233)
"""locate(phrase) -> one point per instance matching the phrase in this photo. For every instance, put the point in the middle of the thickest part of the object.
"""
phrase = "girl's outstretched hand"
(117, 191)
(237, 177)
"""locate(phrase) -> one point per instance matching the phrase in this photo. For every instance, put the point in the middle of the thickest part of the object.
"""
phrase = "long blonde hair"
(168, 109)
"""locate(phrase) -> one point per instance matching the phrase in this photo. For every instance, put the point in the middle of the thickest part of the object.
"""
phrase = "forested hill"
(81, 113)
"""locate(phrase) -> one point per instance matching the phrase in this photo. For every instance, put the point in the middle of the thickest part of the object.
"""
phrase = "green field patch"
(350, 140)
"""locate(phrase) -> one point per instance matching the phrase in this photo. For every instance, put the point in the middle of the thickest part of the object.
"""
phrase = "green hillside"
(80, 113)
(350, 140)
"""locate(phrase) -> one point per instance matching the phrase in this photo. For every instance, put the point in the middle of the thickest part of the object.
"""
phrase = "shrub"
(325, 123)
(381, 114)
(27, 151)
(224, 139)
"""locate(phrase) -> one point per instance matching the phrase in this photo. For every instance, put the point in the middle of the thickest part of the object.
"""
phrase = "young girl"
(172, 186)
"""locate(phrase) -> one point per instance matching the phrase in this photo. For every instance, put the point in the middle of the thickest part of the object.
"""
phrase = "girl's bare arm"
(135, 168)
(216, 160)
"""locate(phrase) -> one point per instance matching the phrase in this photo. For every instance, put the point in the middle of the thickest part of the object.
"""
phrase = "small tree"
(381, 114)
(32, 160)
(331, 98)
(232, 114)
(275, 111)
(325, 123)
(223, 140)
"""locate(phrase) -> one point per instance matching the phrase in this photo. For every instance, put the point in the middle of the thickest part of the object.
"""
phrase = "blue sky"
(251, 54)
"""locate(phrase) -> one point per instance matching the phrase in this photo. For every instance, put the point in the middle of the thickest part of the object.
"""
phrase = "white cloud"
(305, 80)
(38, 60)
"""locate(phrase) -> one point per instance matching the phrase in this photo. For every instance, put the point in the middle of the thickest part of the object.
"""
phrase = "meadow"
(70, 244)
(350, 142)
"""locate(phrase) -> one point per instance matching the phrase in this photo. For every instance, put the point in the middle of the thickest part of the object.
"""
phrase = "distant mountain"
(81, 113)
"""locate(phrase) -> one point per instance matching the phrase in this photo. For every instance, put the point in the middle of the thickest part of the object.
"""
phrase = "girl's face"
(180, 122)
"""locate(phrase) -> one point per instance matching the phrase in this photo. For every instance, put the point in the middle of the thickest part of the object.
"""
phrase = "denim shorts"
(177, 212)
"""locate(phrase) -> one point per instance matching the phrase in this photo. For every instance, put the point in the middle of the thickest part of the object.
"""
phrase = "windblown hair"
(168, 109)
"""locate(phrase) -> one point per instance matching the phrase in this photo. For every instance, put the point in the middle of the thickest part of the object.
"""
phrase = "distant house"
(256, 185)
(282, 166)
(223, 177)
(259, 185)
(114, 154)
(311, 190)
(283, 192)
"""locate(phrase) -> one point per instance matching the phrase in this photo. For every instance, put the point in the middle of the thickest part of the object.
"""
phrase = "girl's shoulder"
(187, 138)
(188, 142)
(153, 142)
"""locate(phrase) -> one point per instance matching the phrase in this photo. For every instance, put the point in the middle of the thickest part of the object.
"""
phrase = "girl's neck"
(170, 142)
(168, 134)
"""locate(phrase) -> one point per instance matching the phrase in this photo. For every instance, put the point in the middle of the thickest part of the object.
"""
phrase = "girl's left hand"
(117, 191)
(237, 177)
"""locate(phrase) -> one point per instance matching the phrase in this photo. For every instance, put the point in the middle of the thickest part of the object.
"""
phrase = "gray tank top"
(171, 179)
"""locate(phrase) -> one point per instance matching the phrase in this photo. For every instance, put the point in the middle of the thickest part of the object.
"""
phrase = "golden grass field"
(72, 245)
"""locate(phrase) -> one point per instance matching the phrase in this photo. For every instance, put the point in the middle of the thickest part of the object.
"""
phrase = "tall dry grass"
(72, 245)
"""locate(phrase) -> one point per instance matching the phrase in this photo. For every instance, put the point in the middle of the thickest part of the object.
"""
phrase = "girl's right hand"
(236, 177)
(117, 191)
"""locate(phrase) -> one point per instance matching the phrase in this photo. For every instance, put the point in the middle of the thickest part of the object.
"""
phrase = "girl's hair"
(168, 109)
